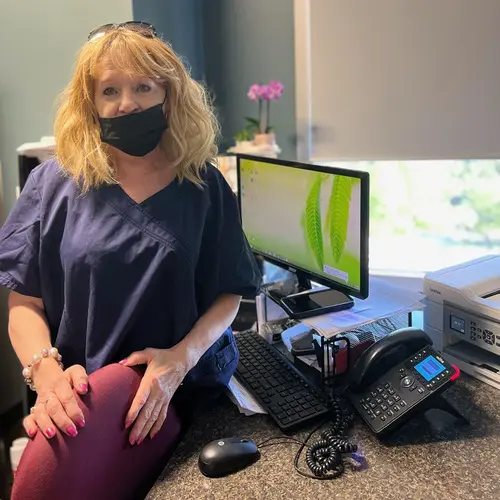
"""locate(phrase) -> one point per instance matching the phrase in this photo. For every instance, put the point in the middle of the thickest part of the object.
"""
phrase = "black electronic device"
(225, 456)
(300, 305)
(313, 221)
(277, 385)
(302, 345)
(397, 377)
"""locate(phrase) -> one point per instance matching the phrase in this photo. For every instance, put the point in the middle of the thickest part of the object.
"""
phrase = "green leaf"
(326, 224)
(338, 214)
(312, 221)
(243, 135)
(253, 121)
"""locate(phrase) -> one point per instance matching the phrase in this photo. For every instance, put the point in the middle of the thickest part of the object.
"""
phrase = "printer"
(462, 316)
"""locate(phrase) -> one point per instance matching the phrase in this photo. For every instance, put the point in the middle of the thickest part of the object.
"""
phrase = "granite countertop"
(420, 461)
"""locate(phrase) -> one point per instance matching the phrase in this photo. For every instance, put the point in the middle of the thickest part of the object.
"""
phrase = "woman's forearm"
(209, 328)
(28, 328)
(55, 404)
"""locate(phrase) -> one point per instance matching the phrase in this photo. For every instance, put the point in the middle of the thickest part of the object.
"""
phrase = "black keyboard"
(276, 384)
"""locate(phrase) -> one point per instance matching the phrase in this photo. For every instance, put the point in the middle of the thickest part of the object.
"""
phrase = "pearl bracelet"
(37, 358)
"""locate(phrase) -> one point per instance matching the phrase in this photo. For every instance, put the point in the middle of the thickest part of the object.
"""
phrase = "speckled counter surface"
(420, 461)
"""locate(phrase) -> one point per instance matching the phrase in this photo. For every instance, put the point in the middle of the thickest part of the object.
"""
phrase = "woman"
(128, 245)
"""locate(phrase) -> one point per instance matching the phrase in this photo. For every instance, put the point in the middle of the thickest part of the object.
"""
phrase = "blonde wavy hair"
(191, 139)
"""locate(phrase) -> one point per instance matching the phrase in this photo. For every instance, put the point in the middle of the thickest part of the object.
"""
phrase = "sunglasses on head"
(144, 29)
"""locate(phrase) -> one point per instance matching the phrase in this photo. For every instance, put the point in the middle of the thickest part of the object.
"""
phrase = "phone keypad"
(386, 401)
(383, 403)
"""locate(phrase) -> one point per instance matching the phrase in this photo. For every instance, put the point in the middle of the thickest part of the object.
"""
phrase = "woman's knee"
(101, 450)
(113, 386)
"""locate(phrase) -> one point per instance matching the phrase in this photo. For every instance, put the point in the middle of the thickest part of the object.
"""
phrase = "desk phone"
(397, 377)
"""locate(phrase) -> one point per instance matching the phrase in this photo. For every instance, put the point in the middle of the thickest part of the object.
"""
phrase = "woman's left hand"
(164, 374)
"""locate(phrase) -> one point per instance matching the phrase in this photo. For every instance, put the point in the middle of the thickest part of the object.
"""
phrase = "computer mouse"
(225, 456)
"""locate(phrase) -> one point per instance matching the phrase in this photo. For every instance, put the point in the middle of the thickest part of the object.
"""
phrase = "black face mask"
(136, 134)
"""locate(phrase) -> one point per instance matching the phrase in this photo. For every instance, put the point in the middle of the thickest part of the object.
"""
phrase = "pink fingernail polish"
(123, 361)
(132, 441)
(140, 441)
(31, 432)
(71, 430)
(128, 423)
(50, 432)
(80, 422)
(83, 387)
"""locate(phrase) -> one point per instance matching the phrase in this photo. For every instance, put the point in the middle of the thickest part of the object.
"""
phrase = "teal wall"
(232, 44)
(38, 46)
(179, 22)
(250, 42)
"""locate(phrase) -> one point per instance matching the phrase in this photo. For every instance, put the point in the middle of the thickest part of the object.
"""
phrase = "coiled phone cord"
(324, 457)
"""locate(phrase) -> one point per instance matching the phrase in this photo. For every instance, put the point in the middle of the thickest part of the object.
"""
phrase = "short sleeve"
(227, 264)
(20, 243)
(238, 270)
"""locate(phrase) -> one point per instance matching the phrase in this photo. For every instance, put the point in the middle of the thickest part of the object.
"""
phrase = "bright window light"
(426, 215)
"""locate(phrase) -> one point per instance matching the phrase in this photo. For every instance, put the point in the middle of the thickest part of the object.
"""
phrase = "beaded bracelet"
(37, 358)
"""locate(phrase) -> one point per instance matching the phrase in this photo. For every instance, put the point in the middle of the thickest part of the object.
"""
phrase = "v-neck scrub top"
(116, 276)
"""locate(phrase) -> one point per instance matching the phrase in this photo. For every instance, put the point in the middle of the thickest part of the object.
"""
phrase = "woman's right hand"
(56, 406)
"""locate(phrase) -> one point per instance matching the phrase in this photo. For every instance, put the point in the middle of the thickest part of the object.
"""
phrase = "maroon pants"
(99, 462)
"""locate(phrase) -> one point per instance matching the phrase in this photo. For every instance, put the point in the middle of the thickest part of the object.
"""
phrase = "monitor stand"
(307, 302)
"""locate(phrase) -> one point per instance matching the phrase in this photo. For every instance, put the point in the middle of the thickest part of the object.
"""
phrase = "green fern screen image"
(309, 219)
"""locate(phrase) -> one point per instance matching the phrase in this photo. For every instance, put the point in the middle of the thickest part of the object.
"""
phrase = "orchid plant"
(263, 95)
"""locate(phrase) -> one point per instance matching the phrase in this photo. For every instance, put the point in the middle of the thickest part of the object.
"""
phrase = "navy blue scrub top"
(116, 276)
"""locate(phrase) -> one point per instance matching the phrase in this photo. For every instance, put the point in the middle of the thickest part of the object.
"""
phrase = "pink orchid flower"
(265, 93)
(275, 90)
(254, 92)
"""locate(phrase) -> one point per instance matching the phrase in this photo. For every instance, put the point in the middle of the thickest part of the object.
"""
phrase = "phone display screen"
(429, 368)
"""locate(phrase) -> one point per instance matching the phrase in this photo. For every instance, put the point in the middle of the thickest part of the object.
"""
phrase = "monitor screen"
(309, 218)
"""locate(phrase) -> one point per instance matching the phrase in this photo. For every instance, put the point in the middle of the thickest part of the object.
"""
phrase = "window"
(426, 215)
(402, 82)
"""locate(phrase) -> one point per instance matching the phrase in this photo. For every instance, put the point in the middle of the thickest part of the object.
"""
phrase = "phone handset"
(386, 353)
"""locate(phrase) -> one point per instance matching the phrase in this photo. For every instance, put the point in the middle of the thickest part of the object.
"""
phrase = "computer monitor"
(313, 221)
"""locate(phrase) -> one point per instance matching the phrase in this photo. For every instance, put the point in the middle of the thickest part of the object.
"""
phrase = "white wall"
(400, 79)
(38, 45)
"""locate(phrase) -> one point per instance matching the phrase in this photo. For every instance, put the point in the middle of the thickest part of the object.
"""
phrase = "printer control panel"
(482, 332)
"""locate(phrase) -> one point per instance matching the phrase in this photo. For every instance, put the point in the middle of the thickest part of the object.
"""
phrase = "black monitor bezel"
(362, 293)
